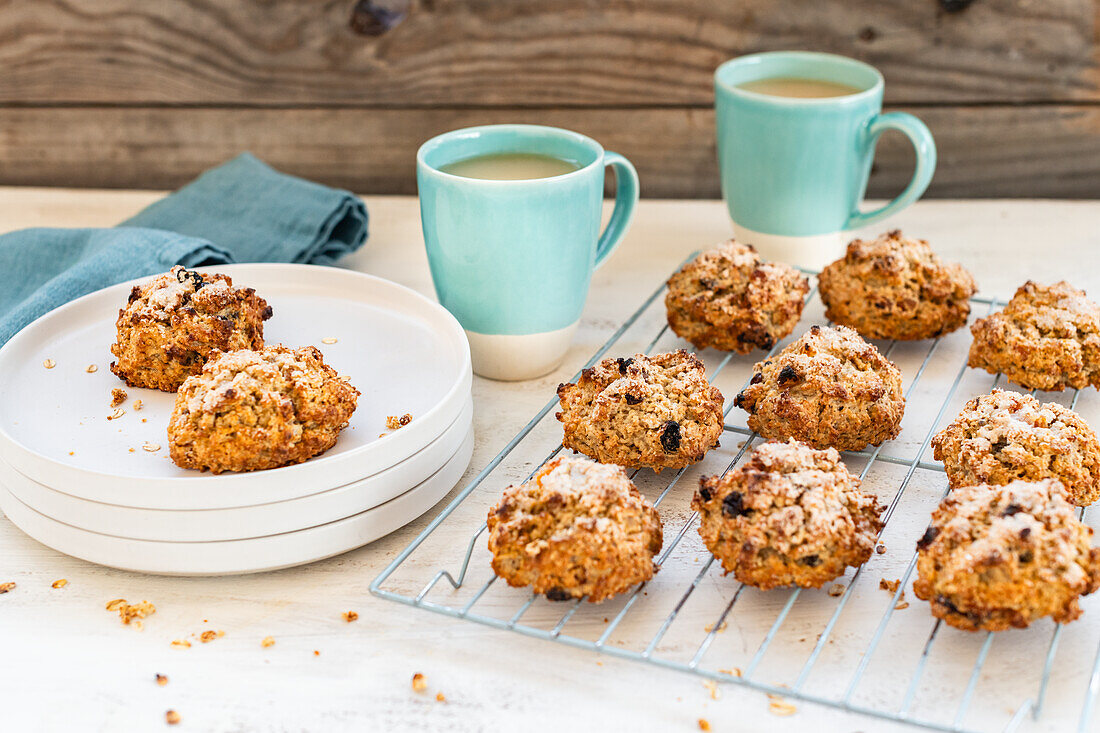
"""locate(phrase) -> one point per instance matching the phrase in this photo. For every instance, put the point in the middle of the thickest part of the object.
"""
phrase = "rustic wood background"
(146, 93)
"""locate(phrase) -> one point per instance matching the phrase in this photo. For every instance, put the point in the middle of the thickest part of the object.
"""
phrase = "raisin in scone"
(1045, 338)
(830, 388)
(577, 528)
(656, 411)
(172, 324)
(729, 299)
(998, 557)
(253, 410)
(1004, 436)
(895, 287)
(790, 515)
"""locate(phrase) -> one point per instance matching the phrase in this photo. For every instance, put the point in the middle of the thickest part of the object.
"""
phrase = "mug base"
(511, 358)
(812, 251)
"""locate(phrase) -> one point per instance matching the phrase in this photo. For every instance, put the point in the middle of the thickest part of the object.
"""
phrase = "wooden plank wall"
(146, 93)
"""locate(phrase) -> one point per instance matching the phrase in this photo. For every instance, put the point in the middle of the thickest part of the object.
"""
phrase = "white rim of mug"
(799, 101)
(560, 131)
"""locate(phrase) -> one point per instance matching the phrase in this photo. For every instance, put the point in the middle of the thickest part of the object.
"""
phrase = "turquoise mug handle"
(626, 198)
(925, 147)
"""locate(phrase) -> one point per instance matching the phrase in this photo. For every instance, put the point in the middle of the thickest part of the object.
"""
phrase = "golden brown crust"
(998, 557)
(790, 515)
(1004, 436)
(895, 287)
(656, 411)
(1045, 338)
(729, 299)
(172, 324)
(830, 388)
(253, 410)
(576, 528)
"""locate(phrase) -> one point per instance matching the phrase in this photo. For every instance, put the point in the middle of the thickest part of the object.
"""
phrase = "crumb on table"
(267, 642)
(162, 679)
(172, 717)
(836, 590)
(131, 613)
(59, 583)
(6, 587)
(419, 684)
(703, 724)
(209, 635)
(889, 585)
(350, 616)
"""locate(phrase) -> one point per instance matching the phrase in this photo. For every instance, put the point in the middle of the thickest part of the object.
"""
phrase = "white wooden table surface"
(66, 664)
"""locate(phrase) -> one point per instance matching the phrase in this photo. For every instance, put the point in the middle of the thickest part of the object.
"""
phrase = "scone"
(172, 324)
(1004, 436)
(997, 557)
(252, 410)
(790, 515)
(656, 411)
(830, 388)
(730, 299)
(577, 528)
(895, 287)
(1046, 338)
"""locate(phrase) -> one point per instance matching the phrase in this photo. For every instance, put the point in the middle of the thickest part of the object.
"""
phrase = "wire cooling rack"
(850, 645)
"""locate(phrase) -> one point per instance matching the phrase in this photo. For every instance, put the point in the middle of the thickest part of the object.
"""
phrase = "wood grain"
(508, 53)
(1042, 151)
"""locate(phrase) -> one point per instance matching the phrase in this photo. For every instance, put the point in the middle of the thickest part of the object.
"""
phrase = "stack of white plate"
(106, 490)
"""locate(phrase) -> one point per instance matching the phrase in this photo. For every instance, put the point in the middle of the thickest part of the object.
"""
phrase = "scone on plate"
(729, 299)
(656, 411)
(830, 388)
(1004, 436)
(1047, 337)
(790, 515)
(895, 287)
(998, 557)
(172, 324)
(577, 528)
(253, 410)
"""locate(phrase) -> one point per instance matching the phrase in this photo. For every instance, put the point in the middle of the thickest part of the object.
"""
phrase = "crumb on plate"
(118, 396)
(393, 422)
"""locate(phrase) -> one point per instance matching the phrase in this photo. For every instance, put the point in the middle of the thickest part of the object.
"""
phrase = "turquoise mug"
(794, 170)
(513, 259)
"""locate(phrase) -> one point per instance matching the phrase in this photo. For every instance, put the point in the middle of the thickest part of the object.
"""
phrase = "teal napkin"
(241, 211)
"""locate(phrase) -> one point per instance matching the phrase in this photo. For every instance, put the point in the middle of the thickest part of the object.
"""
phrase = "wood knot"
(369, 18)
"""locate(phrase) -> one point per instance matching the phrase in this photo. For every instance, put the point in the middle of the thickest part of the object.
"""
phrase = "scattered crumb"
(836, 590)
(5, 587)
(138, 405)
(118, 396)
(350, 616)
(735, 672)
(381, 435)
(710, 627)
(703, 724)
(131, 450)
(880, 548)
(209, 635)
(889, 585)
(712, 686)
(316, 653)
(162, 680)
(92, 369)
(902, 604)
(119, 412)
(418, 683)
(268, 641)
(393, 422)
(172, 717)
(779, 706)
(131, 613)
(150, 447)
(59, 583)
(328, 340)
(49, 363)
(439, 697)
(181, 644)
(72, 453)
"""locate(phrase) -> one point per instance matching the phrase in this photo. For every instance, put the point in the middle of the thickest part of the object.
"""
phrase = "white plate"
(405, 353)
(209, 525)
(240, 556)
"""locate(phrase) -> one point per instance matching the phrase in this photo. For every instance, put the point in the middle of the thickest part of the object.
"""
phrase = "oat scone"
(830, 388)
(577, 528)
(730, 299)
(253, 410)
(790, 515)
(1047, 337)
(895, 287)
(171, 324)
(1004, 436)
(997, 557)
(656, 411)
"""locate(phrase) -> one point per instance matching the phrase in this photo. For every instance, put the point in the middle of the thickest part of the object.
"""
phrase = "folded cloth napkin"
(241, 211)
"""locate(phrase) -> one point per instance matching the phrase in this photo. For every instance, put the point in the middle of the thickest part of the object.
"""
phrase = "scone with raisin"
(1047, 337)
(577, 528)
(656, 411)
(790, 515)
(172, 324)
(253, 410)
(998, 557)
(1004, 436)
(895, 287)
(729, 299)
(830, 388)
